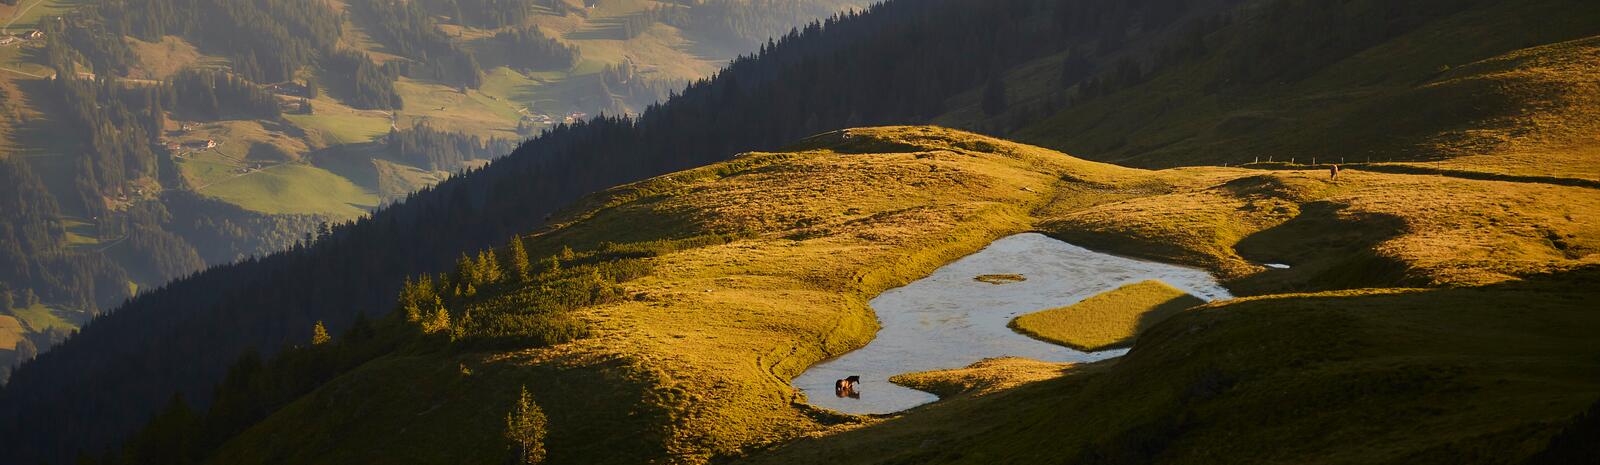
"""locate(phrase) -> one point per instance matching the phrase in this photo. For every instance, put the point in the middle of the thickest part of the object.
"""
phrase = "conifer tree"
(439, 322)
(464, 273)
(488, 268)
(413, 313)
(521, 269)
(25, 350)
(158, 119)
(526, 427)
(319, 334)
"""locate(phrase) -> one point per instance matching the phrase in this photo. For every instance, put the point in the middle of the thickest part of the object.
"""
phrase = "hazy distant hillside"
(203, 132)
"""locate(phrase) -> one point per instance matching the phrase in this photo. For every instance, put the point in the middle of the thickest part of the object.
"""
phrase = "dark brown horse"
(847, 387)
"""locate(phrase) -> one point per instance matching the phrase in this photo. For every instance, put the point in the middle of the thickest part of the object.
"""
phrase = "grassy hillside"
(695, 365)
(1480, 375)
(706, 346)
(1514, 101)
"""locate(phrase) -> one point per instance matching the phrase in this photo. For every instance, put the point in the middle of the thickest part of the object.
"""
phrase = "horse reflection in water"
(847, 387)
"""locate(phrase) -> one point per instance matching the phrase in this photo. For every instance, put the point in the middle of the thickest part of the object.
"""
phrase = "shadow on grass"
(1328, 250)
(1454, 375)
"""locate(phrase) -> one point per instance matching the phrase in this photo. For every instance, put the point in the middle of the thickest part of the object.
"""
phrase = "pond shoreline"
(950, 319)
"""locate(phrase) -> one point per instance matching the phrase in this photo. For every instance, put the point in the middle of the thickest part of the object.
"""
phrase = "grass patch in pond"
(1108, 320)
(984, 377)
(1000, 278)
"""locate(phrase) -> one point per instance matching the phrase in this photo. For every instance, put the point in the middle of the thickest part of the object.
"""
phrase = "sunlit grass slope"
(1107, 320)
(694, 365)
(11, 331)
(294, 188)
(1502, 88)
(1361, 230)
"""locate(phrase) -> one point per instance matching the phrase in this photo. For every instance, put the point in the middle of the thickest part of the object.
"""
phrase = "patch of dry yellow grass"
(11, 331)
(1107, 320)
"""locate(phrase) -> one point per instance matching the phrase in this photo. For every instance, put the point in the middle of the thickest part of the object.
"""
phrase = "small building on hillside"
(33, 35)
(200, 144)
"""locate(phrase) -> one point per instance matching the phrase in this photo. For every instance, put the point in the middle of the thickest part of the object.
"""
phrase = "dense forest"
(366, 85)
(807, 82)
(424, 146)
(626, 88)
(120, 126)
(533, 50)
(34, 259)
(408, 29)
(268, 40)
(79, 38)
(369, 86)
(211, 95)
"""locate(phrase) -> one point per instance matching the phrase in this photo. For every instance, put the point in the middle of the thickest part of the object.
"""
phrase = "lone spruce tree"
(526, 428)
(521, 268)
(319, 334)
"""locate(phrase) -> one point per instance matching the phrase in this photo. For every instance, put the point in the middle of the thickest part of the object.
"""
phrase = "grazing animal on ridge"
(847, 387)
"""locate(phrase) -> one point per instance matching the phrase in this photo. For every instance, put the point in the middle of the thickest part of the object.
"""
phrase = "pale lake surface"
(950, 320)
